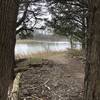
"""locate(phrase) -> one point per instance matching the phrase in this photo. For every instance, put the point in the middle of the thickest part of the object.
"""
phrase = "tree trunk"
(83, 45)
(83, 29)
(8, 16)
(92, 70)
(71, 42)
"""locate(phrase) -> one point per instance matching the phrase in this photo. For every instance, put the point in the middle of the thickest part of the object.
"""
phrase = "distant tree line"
(69, 18)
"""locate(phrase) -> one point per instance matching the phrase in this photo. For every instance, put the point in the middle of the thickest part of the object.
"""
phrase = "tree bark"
(92, 70)
(71, 42)
(8, 17)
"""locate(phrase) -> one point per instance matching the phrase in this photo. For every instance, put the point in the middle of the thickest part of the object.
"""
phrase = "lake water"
(35, 47)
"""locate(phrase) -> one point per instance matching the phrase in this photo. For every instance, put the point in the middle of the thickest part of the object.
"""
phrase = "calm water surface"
(29, 48)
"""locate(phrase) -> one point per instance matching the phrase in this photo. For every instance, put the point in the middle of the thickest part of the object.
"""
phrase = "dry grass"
(37, 57)
(25, 41)
(45, 55)
(40, 55)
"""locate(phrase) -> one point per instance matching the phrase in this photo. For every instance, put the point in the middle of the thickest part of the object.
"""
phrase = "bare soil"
(59, 78)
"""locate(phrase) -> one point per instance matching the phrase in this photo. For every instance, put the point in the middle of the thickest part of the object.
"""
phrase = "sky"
(44, 14)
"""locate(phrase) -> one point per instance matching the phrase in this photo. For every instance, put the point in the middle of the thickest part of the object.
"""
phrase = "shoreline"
(39, 54)
(40, 41)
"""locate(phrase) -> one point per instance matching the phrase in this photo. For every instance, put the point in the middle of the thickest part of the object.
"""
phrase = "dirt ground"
(59, 78)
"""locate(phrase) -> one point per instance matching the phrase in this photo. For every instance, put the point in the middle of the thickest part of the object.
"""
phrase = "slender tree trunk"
(8, 16)
(83, 45)
(71, 42)
(92, 70)
(83, 29)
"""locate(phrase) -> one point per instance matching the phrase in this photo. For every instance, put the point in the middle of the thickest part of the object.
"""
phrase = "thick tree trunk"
(92, 71)
(8, 16)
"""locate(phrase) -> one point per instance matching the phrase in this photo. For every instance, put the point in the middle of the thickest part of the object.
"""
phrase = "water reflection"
(28, 48)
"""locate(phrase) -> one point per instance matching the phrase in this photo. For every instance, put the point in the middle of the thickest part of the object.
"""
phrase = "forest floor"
(57, 77)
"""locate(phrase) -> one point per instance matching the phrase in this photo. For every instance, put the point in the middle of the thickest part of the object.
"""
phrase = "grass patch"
(35, 60)
(38, 57)
(23, 41)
